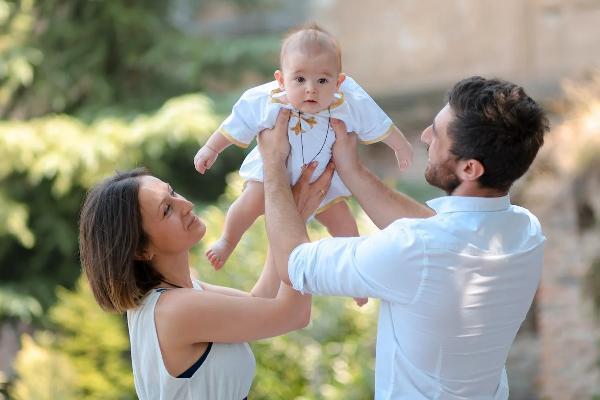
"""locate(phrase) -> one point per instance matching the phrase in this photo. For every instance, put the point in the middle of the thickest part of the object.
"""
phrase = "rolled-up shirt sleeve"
(388, 265)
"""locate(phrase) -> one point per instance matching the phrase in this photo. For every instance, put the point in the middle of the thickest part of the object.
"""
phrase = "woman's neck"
(174, 269)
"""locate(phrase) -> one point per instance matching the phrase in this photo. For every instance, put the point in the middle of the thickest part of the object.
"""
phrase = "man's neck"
(473, 189)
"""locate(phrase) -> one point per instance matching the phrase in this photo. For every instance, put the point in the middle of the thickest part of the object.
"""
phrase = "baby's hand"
(404, 155)
(204, 159)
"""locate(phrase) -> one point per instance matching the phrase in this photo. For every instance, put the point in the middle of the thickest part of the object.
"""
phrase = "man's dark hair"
(499, 125)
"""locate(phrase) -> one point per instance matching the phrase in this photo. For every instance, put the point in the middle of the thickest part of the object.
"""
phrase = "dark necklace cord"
(172, 284)
(324, 140)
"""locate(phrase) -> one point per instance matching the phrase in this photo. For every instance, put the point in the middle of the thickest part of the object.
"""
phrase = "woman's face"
(167, 218)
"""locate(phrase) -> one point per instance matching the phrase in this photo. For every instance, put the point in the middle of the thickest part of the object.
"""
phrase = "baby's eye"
(300, 79)
(323, 81)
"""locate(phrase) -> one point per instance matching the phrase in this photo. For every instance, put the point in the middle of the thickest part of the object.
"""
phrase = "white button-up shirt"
(454, 289)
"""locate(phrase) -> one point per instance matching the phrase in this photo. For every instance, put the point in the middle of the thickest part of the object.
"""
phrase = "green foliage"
(44, 373)
(593, 284)
(97, 345)
(87, 357)
(47, 164)
(119, 56)
(18, 306)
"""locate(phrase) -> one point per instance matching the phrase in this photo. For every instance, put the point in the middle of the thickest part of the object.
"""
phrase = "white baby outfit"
(309, 134)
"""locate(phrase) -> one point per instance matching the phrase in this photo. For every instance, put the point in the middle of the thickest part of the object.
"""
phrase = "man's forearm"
(381, 203)
(285, 228)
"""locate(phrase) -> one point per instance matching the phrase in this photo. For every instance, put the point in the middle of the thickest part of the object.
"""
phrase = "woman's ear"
(341, 78)
(144, 255)
(279, 78)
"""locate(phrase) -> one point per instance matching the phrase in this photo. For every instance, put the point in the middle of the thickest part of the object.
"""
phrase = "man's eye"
(300, 79)
(323, 81)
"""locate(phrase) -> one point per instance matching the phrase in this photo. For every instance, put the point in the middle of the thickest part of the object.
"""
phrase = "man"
(456, 278)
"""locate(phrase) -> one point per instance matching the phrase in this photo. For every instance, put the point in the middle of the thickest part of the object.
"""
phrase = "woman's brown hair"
(111, 237)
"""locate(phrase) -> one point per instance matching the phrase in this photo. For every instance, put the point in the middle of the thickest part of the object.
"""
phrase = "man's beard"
(442, 177)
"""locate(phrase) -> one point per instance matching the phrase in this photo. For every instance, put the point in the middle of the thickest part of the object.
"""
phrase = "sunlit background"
(88, 87)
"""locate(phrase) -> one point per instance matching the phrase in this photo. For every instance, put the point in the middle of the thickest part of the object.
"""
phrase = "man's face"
(441, 163)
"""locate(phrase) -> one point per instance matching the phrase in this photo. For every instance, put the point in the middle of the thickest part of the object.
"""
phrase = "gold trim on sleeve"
(232, 139)
(387, 133)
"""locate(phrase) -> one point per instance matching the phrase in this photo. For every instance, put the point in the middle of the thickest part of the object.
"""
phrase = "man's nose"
(425, 135)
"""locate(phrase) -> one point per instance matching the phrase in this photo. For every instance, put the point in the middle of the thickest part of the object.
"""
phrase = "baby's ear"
(341, 78)
(279, 78)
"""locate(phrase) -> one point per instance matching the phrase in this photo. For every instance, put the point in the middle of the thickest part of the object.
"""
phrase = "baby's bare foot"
(218, 253)
(361, 301)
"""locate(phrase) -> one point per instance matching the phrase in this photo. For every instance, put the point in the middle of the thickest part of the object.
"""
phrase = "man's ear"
(470, 170)
(279, 78)
(341, 78)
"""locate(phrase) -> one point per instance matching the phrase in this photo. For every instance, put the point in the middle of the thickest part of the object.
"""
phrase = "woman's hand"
(308, 195)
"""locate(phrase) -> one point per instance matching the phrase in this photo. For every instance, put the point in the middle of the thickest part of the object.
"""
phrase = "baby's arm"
(402, 148)
(206, 156)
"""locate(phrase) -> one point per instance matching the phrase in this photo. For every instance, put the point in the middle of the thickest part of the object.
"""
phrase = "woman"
(188, 338)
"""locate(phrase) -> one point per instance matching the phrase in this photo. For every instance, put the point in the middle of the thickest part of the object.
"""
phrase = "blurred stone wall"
(393, 46)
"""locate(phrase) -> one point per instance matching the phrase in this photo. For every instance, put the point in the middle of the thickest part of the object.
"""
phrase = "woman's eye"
(167, 210)
(300, 79)
(323, 81)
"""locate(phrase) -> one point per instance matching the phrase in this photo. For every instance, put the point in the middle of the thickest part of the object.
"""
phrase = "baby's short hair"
(311, 38)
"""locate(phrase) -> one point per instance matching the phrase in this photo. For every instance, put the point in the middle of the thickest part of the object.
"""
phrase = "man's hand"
(273, 144)
(204, 159)
(345, 155)
(308, 195)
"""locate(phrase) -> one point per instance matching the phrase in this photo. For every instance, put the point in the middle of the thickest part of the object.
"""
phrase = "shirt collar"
(448, 204)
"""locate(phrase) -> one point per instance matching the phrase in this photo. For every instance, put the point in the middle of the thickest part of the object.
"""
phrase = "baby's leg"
(338, 220)
(240, 216)
(339, 223)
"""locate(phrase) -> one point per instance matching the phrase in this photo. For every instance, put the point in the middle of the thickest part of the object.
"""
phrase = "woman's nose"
(185, 204)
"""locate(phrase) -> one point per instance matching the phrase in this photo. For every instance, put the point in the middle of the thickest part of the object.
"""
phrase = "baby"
(310, 84)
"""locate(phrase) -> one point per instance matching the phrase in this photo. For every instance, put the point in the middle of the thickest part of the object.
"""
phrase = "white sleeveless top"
(225, 374)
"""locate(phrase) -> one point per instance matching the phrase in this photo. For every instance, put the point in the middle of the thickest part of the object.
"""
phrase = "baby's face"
(310, 81)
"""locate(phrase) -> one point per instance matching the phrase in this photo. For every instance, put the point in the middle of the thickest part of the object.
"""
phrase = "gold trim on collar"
(338, 102)
(273, 99)
(335, 104)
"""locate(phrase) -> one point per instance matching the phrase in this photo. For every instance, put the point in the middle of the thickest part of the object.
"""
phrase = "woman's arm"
(194, 316)
(266, 286)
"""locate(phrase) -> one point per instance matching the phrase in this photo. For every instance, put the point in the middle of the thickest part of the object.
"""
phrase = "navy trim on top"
(190, 371)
